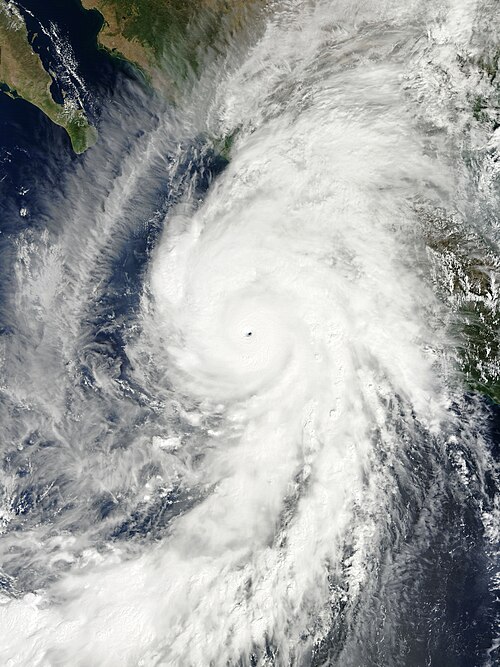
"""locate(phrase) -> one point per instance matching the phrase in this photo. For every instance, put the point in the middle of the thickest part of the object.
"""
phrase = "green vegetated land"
(469, 265)
(23, 75)
(167, 39)
(164, 39)
(467, 275)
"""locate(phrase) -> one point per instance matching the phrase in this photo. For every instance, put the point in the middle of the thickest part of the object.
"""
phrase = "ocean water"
(235, 425)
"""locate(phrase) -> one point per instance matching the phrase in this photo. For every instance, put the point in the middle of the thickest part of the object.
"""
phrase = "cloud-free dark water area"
(231, 412)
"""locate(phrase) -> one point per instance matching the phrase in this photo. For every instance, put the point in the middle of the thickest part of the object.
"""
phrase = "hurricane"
(242, 424)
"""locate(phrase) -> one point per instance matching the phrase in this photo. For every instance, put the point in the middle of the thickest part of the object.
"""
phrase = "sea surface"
(235, 425)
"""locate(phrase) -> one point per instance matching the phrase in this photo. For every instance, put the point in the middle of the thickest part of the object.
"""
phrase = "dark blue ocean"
(434, 582)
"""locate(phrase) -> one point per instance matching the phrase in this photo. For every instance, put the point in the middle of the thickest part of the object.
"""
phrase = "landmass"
(168, 39)
(23, 75)
(467, 275)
